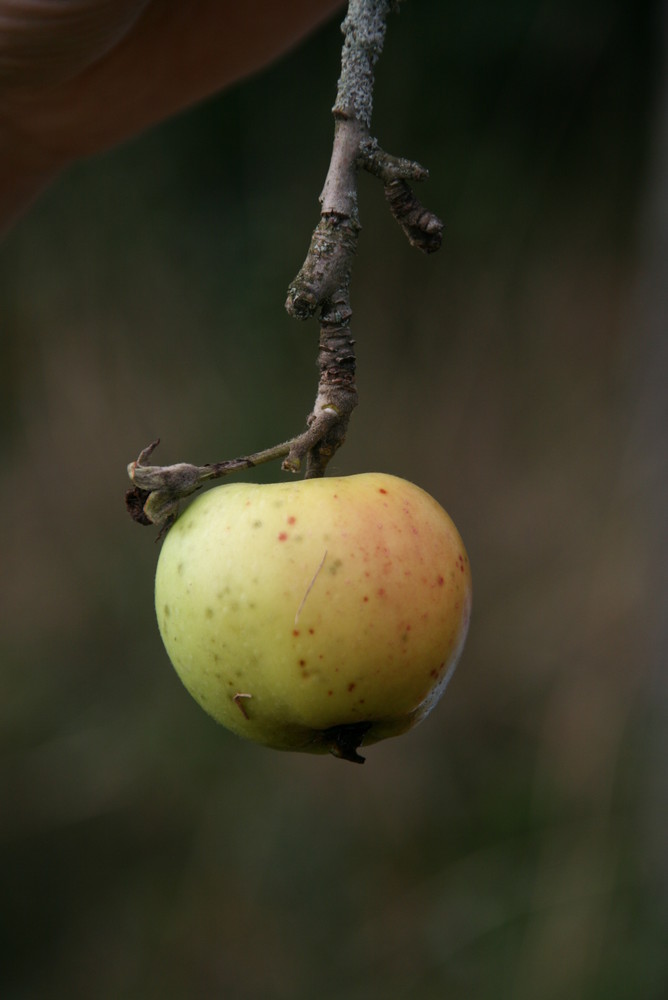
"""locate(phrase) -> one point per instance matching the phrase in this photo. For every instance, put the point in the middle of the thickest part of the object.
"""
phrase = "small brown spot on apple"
(351, 686)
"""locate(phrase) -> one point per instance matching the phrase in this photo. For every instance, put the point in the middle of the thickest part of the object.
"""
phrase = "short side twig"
(159, 489)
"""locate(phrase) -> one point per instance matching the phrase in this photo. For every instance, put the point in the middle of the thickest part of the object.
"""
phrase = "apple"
(317, 615)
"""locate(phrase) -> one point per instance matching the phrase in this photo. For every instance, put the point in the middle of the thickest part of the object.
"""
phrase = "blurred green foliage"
(514, 846)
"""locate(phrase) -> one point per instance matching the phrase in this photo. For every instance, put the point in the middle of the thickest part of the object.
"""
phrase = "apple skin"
(315, 615)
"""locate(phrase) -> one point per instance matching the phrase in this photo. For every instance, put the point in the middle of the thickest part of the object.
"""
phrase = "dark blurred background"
(515, 846)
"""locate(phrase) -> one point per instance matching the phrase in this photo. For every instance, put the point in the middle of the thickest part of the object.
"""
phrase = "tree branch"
(323, 282)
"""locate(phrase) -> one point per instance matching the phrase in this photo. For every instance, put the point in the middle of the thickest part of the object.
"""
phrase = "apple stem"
(323, 282)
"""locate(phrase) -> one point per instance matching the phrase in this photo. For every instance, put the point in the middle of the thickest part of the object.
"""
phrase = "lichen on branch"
(322, 285)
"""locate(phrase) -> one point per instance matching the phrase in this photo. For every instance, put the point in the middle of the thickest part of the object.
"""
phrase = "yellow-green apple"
(316, 615)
